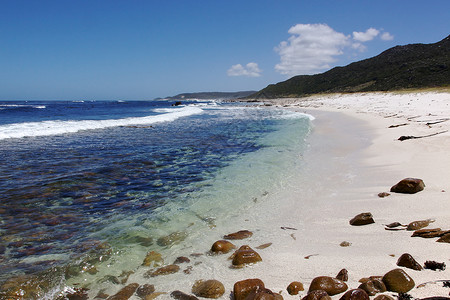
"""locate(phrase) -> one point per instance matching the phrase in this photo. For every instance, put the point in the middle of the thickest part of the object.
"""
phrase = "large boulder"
(212, 289)
(408, 186)
(245, 255)
(398, 281)
(407, 261)
(330, 285)
(362, 219)
(243, 288)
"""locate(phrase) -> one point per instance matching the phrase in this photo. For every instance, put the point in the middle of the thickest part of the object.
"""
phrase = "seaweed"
(433, 265)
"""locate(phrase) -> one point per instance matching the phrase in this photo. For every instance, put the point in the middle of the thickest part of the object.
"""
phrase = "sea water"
(88, 188)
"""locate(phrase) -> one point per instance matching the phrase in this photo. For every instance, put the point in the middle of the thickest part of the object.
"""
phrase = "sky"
(140, 50)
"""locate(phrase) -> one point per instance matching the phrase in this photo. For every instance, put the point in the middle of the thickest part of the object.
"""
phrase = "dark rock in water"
(383, 194)
(383, 297)
(317, 295)
(418, 224)
(242, 289)
(444, 239)
(101, 295)
(171, 239)
(428, 233)
(398, 281)
(373, 286)
(407, 261)
(222, 246)
(295, 287)
(245, 255)
(145, 290)
(78, 294)
(356, 294)
(153, 259)
(177, 103)
(342, 275)
(362, 219)
(170, 269)
(125, 293)
(408, 186)
(330, 285)
(181, 260)
(433, 265)
(212, 289)
(240, 235)
(263, 294)
(182, 296)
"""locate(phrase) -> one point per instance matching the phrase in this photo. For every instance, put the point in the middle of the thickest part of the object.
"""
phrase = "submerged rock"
(222, 246)
(145, 290)
(240, 235)
(181, 260)
(153, 259)
(407, 261)
(408, 186)
(295, 287)
(398, 281)
(243, 288)
(362, 219)
(330, 285)
(208, 289)
(125, 293)
(172, 239)
(170, 269)
(245, 255)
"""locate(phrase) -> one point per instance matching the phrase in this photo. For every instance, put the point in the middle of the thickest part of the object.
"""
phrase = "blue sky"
(132, 49)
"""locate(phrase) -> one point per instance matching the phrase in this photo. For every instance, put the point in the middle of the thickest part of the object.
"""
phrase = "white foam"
(45, 128)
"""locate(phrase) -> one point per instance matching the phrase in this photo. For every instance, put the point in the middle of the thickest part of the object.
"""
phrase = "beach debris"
(345, 244)
(317, 295)
(295, 287)
(373, 286)
(355, 294)
(293, 236)
(308, 256)
(408, 186)
(446, 283)
(444, 239)
(398, 281)
(434, 265)
(362, 219)
(398, 125)
(419, 224)
(383, 194)
(125, 293)
(212, 289)
(153, 259)
(145, 289)
(263, 246)
(240, 235)
(172, 239)
(179, 295)
(429, 233)
(166, 270)
(410, 137)
(342, 275)
(243, 288)
(330, 285)
(404, 296)
(288, 228)
(196, 254)
(181, 260)
(245, 255)
(222, 246)
(407, 261)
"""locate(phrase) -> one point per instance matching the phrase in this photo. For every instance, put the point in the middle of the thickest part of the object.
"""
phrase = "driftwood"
(410, 137)
(398, 125)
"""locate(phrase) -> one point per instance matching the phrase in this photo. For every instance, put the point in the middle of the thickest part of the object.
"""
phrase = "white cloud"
(309, 49)
(369, 35)
(251, 70)
(386, 36)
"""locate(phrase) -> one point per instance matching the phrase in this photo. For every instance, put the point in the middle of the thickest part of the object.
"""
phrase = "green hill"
(400, 67)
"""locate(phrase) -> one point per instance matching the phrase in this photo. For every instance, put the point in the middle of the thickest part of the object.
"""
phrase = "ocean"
(88, 188)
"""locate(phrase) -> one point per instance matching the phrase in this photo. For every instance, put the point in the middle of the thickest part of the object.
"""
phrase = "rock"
(181, 260)
(342, 275)
(317, 295)
(428, 233)
(222, 246)
(208, 288)
(153, 259)
(394, 225)
(407, 261)
(383, 297)
(156, 294)
(245, 255)
(330, 285)
(170, 269)
(373, 286)
(182, 296)
(383, 194)
(398, 281)
(124, 293)
(145, 290)
(434, 265)
(444, 239)
(408, 186)
(295, 287)
(242, 289)
(78, 294)
(362, 219)
(418, 224)
(171, 239)
(345, 244)
(356, 294)
(240, 235)
(263, 294)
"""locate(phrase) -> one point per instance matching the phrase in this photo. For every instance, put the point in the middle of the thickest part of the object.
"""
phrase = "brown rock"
(78, 294)
(373, 286)
(295, 287)
(156, 294)
(240, 235)
(362, 219)
(398, 281)
(245, 255)
(342, 275)
(383, 297)
(428, 233)
(444, 239)
(208, 288)
(242, 289)
(418, 224)
(317, 295)
(145, 290)
(383, 194)
(170, 269)
(356, 294)
(153, 259)
(407, 261)
(330, 285)
(182, 296)
(181, 260)
(125, 293)
(222, 246)
(408, 186)
(263, 294)
(345, 244)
